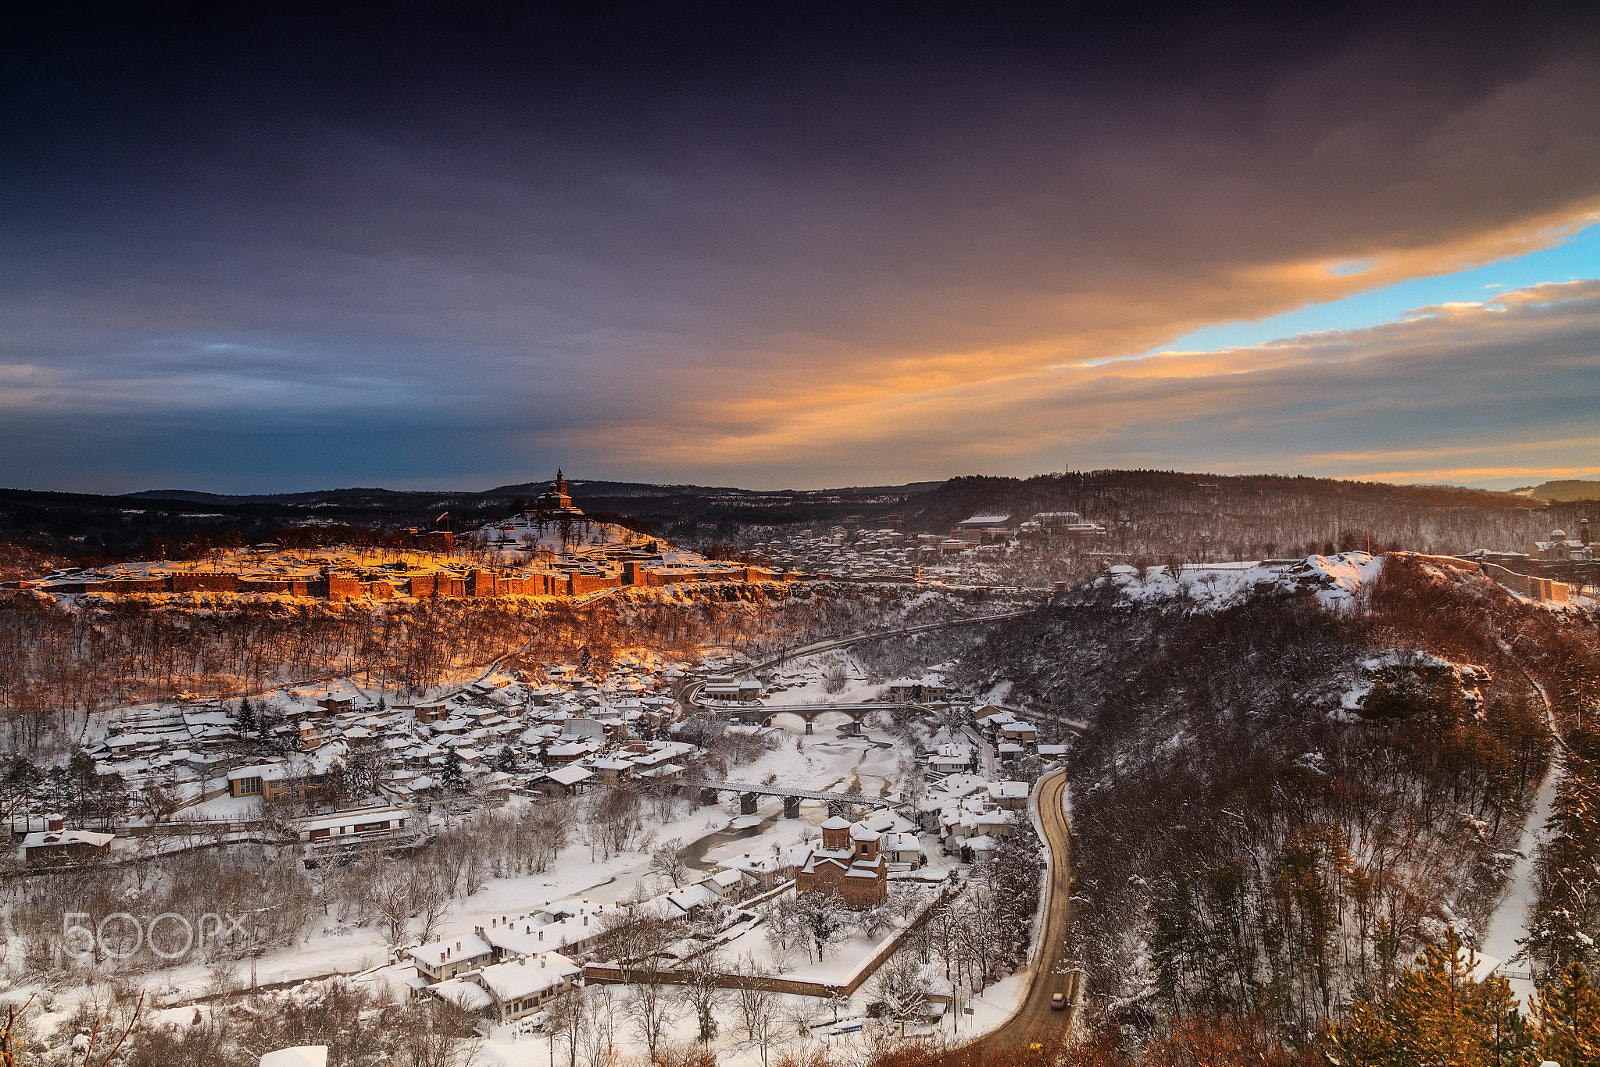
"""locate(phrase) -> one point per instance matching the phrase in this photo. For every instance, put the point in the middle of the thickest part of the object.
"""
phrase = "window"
(249, 786)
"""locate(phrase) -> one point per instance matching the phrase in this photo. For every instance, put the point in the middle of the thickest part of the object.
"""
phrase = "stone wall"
(1528, 585)
(343, 587)
(581, 584)
(200, 582)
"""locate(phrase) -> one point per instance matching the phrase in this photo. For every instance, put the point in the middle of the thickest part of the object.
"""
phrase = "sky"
(255, 248)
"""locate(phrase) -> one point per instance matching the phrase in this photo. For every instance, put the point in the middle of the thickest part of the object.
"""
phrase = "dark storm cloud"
(680, 241)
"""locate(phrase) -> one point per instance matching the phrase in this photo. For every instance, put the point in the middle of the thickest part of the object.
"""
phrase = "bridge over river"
(749, 793)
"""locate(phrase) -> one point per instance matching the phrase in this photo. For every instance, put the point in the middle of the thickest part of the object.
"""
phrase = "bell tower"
(558, 498)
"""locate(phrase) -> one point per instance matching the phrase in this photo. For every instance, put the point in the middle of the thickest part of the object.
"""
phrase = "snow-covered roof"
(692, 896)
(465, 995)
(298, 1056)
(527, 976)
(46, 838)
(354, 817)
(465, 947)
(569, 776)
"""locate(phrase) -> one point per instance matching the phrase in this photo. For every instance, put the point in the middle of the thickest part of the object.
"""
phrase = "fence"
(606, 972)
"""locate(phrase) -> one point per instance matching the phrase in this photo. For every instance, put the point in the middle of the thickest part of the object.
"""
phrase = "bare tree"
(667, 860)
(702, 992)
(391, 901)
(431, 897)
(903, 986)
(566, 1019)
(649, 1009)
(441, 1037)
(757, 1005)
(612, 823)
(632, 935)
(767, 1027)
(599, 1036)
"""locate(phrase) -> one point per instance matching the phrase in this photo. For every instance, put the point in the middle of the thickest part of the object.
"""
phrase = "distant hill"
(158, 523)
(1110, 495)
(1148, 513)
(1566, 489)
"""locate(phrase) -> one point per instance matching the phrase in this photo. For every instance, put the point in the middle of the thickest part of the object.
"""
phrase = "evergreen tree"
(451, 772)
(1436, 1014)
(1568, 1014)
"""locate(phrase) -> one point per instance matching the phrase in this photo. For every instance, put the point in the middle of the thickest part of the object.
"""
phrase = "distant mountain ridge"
(1165, 511)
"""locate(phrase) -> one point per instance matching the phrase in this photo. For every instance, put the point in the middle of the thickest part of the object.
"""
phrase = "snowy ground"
(1211, 586)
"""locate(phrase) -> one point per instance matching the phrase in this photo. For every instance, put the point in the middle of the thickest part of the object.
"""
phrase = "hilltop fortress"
(552, 549)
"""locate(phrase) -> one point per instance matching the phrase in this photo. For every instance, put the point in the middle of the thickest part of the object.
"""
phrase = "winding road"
(1035, 1020)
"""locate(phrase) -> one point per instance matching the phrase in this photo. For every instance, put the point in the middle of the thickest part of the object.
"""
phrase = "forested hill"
(1155, 514)
(87, 526)
(1276, 805)
(1195, 516)
(1111, 494)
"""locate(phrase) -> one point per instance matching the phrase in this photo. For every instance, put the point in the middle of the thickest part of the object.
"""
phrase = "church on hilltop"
(557, 500)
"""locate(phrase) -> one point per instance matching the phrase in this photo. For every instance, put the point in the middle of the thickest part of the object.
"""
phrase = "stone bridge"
(750, 794)
(809, 712)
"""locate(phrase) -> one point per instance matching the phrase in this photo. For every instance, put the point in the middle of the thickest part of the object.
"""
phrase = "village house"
(1019, 731)
(564, 781)
(273, 781)
(354, 824)
(55, 845)
(1009, 796)
(439, 960)
(918, 691)
(727, 884)
(760, 873)
(523, 986)
(571, 929)
(693, 901)
(430, 712)
(611, 771)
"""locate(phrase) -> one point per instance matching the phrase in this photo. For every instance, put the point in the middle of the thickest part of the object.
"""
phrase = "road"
(1035, 1021)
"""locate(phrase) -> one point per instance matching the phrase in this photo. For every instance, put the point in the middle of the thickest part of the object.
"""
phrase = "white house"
(439, 960)
(522, 986)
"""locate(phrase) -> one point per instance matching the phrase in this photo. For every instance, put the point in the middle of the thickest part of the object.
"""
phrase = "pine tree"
(1436, 1014)
(451, 772)
(1568, 1014)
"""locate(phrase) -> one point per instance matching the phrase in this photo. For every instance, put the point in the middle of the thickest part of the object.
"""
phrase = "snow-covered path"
(1509, 923)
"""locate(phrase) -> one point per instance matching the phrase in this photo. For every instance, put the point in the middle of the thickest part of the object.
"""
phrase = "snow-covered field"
(1210, 586)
